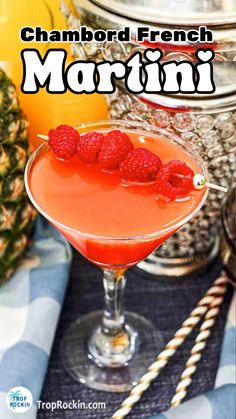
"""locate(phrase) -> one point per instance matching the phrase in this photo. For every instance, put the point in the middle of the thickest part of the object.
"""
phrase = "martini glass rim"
(147, 236)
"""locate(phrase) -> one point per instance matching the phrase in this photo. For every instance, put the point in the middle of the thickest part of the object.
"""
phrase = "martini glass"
(110, 350)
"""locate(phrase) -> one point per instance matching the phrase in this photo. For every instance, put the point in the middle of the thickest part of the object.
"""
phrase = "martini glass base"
(80, 365)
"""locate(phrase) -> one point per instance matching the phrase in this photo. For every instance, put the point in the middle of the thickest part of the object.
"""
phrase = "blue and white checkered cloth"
(30, 305)
(219, 403)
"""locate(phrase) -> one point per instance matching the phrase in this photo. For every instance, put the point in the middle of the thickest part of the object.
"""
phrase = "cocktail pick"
(43, 137)
(196, 352)
(212, 295)
(199, 181)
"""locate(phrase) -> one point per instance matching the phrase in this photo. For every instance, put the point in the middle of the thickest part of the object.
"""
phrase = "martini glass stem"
(113, 318)
(112, 343)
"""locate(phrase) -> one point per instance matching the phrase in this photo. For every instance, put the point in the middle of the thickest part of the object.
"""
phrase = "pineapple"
(16, 213)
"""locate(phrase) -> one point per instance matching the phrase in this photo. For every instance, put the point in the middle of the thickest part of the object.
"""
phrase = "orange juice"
(45, 110)
(111, 223)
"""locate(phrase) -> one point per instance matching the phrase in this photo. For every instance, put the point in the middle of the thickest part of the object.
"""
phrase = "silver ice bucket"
(207, 122)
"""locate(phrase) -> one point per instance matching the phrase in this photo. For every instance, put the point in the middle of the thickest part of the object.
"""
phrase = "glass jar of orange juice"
(43, 110)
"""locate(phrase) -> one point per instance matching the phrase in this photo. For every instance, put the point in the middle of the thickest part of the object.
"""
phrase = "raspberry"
(140, 165)
(63, 141)
(173, 186)
(116, 146)
(89, 146)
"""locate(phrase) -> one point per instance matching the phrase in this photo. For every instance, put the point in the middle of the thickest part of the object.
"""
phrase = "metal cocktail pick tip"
(43, 137)
(199, 181)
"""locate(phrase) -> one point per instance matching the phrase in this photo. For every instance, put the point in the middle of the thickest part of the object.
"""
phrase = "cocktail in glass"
(114, 225)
